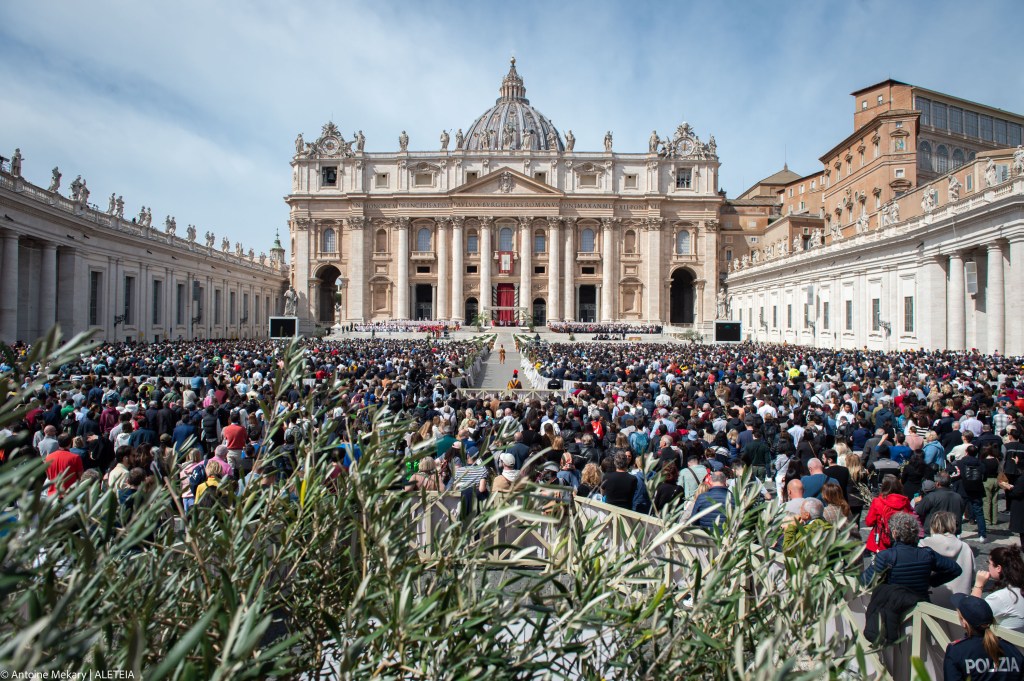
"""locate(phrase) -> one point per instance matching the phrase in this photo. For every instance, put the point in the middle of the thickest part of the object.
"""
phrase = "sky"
(192, 107)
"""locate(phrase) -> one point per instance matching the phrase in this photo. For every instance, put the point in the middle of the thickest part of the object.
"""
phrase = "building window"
(970, 182)
(684, 178)
(423, 269)
(864, 105)
(587, 241)
(775, 316)
(875, 149)
(471, 269)
(328, 176)
(422, 240)
(958, 158)
(330, 241)
(876, 314)
(471, 175)
(925, 107)
(472, 242)
(1000, 131)
(129, 301)
(216, 306)
(789, 316)
(939, 115)
(179, 306)
(380, 241)
(423, 179)
(589, 270)
(849, 315)
(1013, 135)
(970, 124)
(256, 310)
(824, 316)
(505, 242)
(941, 159)
(728, 255)
(95, 290)
(231, 308)
(900, 172)
(881, 99)
(541, 177)
(986, 128)
(813, 183)
(924, 156)
(588, 180)
(908, 314)
(539, 245)
(158, 296)
(807, 316)
(683, 242)
(380, 181)
(539, 269)
(631, 182)
(956, 119)
(803, 206)
(629, 242)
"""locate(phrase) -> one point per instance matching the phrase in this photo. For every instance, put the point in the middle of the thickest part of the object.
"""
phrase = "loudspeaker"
(971, 271)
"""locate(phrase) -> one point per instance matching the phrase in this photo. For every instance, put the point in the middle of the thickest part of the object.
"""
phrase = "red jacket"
(62, 461)
(881, 509)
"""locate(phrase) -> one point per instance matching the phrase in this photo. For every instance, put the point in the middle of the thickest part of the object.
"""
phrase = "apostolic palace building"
(506, 218)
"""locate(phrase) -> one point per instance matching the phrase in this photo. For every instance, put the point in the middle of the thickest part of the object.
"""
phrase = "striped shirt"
(469, 477)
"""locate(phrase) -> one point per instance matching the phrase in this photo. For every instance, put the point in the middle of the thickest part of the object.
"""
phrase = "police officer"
(980, 655)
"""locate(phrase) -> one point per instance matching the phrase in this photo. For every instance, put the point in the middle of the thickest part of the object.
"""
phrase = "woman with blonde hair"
(590, 481)
(425, 479)
(858, 476)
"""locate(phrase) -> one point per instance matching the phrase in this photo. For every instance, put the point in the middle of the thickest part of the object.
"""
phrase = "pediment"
(505, 182)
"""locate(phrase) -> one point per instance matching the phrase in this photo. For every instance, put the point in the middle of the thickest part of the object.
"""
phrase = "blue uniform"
(967, 659)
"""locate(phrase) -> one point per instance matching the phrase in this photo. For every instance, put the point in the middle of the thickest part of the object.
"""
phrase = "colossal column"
(9, 289)
(442, 269)
(357, 273)
(458, 271)
(934, 305)
(486, 258)
(525, 266)
(957, 330)
(995, 299)
(569, 276)
(402, 298)
(608, 292)
(553, 308)
(654, 269)
(48, 290)
(1015, 284)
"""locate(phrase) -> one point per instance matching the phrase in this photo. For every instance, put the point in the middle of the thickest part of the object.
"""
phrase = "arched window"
(587, 241)
(958, 158)
(970, 156)
(330, 241)
(682, 242)
(380, 241)
(924, 156)
(538, 241)
(505, 239)
(629, 243)
(472, 242)
(941, 159)
(423, 240)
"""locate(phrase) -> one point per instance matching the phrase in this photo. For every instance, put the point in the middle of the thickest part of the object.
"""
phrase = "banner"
(504, 262)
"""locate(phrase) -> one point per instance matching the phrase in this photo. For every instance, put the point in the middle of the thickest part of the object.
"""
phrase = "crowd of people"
(900, 450)
(435, 327)
(607, 328)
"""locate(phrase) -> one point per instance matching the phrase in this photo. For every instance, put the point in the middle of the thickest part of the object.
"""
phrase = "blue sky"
(192, 107)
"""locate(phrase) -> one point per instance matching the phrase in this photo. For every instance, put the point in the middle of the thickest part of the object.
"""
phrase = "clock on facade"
(330, 145)
(686, 146)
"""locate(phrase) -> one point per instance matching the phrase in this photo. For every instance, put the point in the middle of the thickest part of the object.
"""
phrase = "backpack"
(196, 478)
(639, 442)
(973, 479)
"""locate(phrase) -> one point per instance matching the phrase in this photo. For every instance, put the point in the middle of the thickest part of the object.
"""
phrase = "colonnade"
(12, 294)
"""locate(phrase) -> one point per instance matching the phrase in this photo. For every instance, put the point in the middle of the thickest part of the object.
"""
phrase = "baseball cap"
(507, 459)
(974, 610)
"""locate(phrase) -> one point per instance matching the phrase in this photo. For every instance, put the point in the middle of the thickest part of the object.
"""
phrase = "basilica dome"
(512, 123)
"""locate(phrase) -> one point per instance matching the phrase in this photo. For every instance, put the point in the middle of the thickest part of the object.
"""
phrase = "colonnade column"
(48, 288)
(402, 299)
(1015, 284)
(355, 303)
(995, 299)
(554, 238)
(458, 271)
(934, 306)
(569, 275)
(956, 331)
(442, 269)
(608, 270)
(525, 265)
(486, 258)
(9, 289)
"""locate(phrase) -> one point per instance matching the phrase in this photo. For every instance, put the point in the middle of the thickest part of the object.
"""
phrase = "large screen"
(283, 327)
(728, 332)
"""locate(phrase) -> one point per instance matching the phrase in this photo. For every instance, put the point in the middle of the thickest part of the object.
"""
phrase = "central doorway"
(681, 297)
(540, 317)
(328, 286)
(588, 303)
(424, 301)
(506, 307)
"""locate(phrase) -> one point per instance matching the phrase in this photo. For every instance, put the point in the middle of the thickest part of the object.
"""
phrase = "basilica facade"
(506, 221)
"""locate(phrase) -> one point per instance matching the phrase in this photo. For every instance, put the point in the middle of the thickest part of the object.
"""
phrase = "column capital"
(1015, 238)
(654, 223)
(457, 221)
(994, 246)
(356, 222)
(554, 222)
(401, 223)
(608, 223)
(525, 220)
(487, 222)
